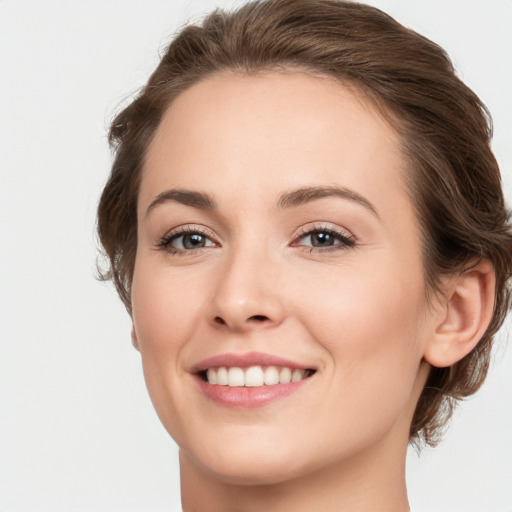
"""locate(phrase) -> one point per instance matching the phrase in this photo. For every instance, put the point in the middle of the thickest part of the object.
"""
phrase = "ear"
(466, 311)
(135, 341)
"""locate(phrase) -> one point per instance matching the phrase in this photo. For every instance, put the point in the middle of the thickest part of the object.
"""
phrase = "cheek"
(165, 315)
(369, 323)
(370, 332)
(165, 307)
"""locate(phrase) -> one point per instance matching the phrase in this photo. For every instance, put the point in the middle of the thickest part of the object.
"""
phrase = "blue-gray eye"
(190, 241)
(322, 239)
(325, 239)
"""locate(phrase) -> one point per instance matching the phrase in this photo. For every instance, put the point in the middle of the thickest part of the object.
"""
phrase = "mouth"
(253, 376)
(250, 380)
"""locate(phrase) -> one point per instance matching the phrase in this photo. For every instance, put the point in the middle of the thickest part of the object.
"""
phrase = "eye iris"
(193, 241)
(322, 239)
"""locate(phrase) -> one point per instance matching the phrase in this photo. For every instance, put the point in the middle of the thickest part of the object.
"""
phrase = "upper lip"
(246, 360)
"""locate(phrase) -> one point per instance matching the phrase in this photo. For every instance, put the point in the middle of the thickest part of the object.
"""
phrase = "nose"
(247, 295)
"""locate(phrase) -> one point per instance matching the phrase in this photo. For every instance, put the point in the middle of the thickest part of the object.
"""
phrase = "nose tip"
(245, 301)
(240, 318)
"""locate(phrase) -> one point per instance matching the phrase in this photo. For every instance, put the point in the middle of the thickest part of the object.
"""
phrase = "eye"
(190, 241)
(321, 238)
(185, 241)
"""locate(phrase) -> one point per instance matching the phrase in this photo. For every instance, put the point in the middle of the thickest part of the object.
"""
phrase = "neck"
(371, 481)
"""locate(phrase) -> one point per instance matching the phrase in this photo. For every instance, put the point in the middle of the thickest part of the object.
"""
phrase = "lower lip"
(248, 397)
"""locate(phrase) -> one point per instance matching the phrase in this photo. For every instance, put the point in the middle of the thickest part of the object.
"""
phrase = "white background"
(77, 430)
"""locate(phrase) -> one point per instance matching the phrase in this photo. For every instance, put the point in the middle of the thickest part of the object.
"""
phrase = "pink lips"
(246, 397)
(245, 360)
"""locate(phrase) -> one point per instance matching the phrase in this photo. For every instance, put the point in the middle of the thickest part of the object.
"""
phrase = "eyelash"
(166, 241)
(346, 241)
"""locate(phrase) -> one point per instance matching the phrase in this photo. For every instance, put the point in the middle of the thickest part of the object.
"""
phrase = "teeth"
(254, 376)
(297, 375)
(222, 376)
(236, 377)
(271, 376)
(211, 375)
(285, 376)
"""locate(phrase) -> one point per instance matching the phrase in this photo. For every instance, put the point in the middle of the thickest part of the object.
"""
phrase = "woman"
(305, 221)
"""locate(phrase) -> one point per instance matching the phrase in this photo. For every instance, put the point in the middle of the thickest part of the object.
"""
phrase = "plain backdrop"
(77, 429)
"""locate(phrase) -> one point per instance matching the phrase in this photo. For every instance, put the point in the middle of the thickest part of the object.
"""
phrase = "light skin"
(306, 247)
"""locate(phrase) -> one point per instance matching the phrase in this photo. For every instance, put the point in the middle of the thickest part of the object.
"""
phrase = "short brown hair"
(445, 129)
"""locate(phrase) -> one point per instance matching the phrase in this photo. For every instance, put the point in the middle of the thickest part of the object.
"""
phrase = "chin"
(251, 464)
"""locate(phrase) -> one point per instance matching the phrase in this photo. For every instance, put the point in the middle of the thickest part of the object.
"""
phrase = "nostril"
(258, 318)
(234, 322)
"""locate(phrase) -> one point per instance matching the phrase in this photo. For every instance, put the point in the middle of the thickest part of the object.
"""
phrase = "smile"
(254, 376)
(250, 380)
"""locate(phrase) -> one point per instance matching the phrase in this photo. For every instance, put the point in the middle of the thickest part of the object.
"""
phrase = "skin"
(356, 312)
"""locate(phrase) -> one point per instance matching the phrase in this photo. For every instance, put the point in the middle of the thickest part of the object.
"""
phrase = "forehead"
(259, 133)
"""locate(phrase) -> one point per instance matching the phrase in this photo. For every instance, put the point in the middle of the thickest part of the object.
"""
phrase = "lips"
(245, 360)
(249, 380)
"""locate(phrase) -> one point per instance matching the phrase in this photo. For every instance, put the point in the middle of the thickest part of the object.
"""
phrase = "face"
(278, 292)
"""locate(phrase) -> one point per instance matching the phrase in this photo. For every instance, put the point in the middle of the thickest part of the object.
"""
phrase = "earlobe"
(135, 341)
(465, 315)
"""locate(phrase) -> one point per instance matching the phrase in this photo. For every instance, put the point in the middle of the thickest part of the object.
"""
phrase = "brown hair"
(445, 129)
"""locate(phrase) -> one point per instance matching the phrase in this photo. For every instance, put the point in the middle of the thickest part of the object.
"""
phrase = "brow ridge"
(289, 199)
(305, 195)
(187, 197)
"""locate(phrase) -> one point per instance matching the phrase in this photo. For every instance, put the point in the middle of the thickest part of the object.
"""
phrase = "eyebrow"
(187, 197)
(307, 194)
(288, 199)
